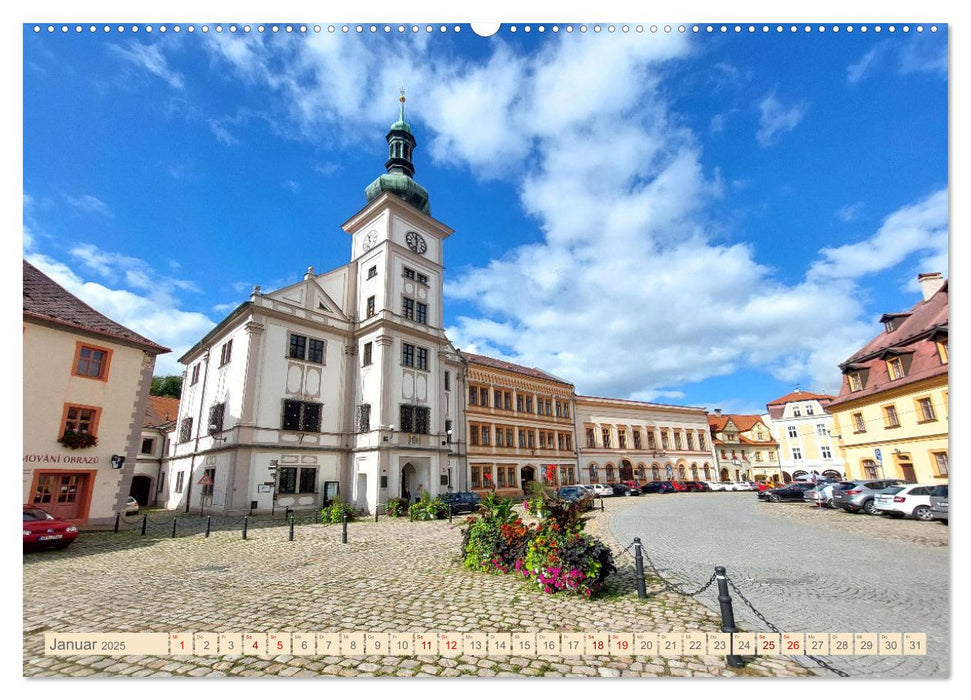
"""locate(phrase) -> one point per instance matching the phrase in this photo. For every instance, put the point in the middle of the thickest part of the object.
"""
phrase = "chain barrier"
(821, 662)
(669, 585)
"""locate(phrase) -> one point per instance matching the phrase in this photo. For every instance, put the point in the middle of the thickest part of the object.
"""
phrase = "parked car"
(939, 503)
(795, 491)
(767, 485)
(576, 493)
(715, 485)
(861, 495)
(131, 506)
(462, 501)
(601, 490)
(679, 486)
(697, 486)
(43, 531)
(905, 499)
(822, 494)
(658, 487)
(621, 489)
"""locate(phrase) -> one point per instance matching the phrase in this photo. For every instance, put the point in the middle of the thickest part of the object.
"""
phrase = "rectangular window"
(148, 446)
(519, 402)
(408, 308)
(691, 440)
(473, 433)
(856, 381)
(529, 404)
(568, 441)
(890, 418)
(408, 355)
(940, 461)
(507, 401)
(826, 452)
(591, 439)
(370, 307)
(421, 278)
(622, 439)
(80, 419)
(483, 396)
(91, 361)
(473, 396)
(302, 416)
(226, 353)
(926, 409)
(368, 351)
(542, 439)
(509, 442)
(476, 478)
(530, 439)
(179, 482)
(497, 398)
(185, 430)
(409, 273)
(701, 441)
(522, 438)
(499, 436)
(217, 413)
(195, 373)
(364, 418)
(549, 407)
(677, 441)
(501, 477)
(637, 439)
(293, 480)
(859, 426)
(372, 271)
(315, 351)
(421, 312)
(416, 419)
(895, 368)
(758, 456)
(448, 381)
(821, 430)
(298, 347)
(809, 410)
(942, 351)
(793, 432)
(485, 434)
(651, 440)
(421, 360)
(605, 433)
(664, 440)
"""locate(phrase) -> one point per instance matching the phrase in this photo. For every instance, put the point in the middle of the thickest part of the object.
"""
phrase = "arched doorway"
(707, 473)
(141, 487)
(682, 475)
(832, 474)
(669, 470)
(694, 472)
(786, 477)
(799, 473)
(409, 484)
(656, 472)
(610, 473)
(724, 474)
(641, 472)
(527, 475)
(626, 471)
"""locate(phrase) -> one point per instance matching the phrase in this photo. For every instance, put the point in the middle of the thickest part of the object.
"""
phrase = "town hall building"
(340, 385)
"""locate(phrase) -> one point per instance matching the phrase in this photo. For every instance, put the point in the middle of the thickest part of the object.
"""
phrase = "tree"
(167, 386)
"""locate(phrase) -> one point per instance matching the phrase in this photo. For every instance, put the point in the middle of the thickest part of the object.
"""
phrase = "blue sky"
(706, 219)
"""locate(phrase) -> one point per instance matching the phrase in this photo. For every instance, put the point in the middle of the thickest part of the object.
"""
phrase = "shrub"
(428, 508)
(335, 512)
(396, 507)
(570, 561)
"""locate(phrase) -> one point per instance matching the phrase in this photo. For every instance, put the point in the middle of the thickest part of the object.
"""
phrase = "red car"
(680, 486)
(42, 530)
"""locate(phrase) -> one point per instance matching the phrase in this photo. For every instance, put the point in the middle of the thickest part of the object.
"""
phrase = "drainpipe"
(192, 460)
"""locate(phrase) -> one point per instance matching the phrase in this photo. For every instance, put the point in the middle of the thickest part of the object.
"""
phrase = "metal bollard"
(286, 513)
(175, 524)
(375, 513)
(245, 525)
(208, 524)
(144, 524)
(344, 530)
(291, 528)
(316, 515)
(450, 512)
(117, 520)
(639, 569)
(601, 503)
(728, 615)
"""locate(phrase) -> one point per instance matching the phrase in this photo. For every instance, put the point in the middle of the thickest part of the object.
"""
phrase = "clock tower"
(407, 379)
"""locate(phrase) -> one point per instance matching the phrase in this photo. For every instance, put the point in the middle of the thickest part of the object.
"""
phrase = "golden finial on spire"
(401, 113)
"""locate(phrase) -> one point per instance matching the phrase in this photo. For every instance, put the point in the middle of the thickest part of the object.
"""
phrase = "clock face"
(416, 242)
(370, 240)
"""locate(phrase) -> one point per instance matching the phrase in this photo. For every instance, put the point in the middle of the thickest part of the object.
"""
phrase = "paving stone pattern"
(808, 569)
(390, 576)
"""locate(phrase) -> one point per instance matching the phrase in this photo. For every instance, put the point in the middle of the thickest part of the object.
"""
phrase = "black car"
(795, 491)
(697, 486)
(576, 493)
(658, 487)
(622, 490)
(462, 501)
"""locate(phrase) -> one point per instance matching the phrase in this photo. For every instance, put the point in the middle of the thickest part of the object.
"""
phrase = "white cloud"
(913, 54)
(917, 228)
(150, 58)
(290, 186)
(221, 133)
(89, 204)
(850, 212)
(776, 118)
(857, 71)
(157, 317)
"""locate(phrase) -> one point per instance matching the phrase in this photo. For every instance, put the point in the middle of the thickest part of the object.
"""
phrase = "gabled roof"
(743, 422)
(46, 300)
(798, 395)
(161, 410)
(510, 367)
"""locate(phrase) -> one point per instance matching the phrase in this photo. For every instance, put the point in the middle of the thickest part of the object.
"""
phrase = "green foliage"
(497, 508)
(77, 440)
(428, 508)
(570, 561)
(167, 386)
(335, 512)
(396, 507)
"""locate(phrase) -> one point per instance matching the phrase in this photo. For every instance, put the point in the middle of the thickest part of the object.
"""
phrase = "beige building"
(518, 424)
(804, 431)
(622, 440)
(891, 413)
(161, 414)
(744, 448)
(86, 384)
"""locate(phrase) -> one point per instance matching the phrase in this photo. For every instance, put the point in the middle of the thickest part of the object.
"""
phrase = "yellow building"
(891, 413)
(519, 423)
(804, 431)
(86, 384)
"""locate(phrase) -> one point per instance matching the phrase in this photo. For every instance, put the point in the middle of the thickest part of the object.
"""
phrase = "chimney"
(929, 283)
(718, 411)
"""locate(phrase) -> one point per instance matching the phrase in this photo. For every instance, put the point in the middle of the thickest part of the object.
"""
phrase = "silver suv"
(859, 495)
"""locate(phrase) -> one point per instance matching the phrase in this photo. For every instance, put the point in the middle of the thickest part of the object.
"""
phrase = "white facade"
(804, 430)
(344, 382)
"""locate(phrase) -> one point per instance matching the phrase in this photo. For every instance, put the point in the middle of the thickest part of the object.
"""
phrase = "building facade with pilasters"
(340, 385)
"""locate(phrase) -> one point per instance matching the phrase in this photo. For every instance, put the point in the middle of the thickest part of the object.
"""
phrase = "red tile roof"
(46, 300)
(161, 410)
(741, 421)
(798, 395)
(510, 367)
(915, 337)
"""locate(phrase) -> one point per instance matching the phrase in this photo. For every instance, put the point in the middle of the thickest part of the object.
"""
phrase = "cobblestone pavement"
(390, 576)
(808, 569)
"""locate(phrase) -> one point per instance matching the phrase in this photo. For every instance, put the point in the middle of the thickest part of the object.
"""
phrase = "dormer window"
(856, 381)
(796, 412)
(895, 367)
(809, 410)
